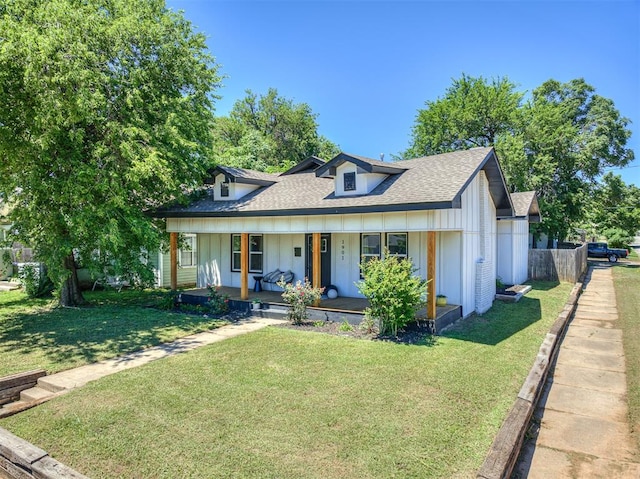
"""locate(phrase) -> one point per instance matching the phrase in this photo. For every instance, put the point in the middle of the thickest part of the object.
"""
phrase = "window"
(370, 246)
(235, 252)
(350, 181)
(187, 255)
(397, 244)
(224, 189)
(255, 253)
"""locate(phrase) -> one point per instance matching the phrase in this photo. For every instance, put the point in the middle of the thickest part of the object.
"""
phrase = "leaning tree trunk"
(70, 294)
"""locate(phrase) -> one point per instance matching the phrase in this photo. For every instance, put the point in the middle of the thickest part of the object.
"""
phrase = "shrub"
(345, 327)
(218, 303)
(395, 294)
(617, 238)
(35, 280)
(368, 324)
(299, 296)
(168, 300)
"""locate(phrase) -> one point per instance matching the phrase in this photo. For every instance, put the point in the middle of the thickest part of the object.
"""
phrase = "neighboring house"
(187, 261)
(441, 211)
(513, 238)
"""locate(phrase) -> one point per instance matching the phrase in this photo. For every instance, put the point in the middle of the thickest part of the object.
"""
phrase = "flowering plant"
(299, 296)
(219, 303)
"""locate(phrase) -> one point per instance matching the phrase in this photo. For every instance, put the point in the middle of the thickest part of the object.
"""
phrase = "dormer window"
(350, 181)
(224, 189)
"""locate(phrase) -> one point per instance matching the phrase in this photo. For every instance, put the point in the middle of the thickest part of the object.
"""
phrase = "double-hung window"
(370, 246)
(224, 189)
(188, 254)
(256, 249)
(397, 244)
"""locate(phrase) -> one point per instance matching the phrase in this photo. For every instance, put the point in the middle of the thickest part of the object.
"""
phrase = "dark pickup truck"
(602, 250)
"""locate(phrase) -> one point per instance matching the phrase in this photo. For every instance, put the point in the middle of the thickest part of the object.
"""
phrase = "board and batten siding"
(513, 248)
(161, 263)
(466, 245)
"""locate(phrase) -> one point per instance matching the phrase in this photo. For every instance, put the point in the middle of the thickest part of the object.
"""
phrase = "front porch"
(338, 309)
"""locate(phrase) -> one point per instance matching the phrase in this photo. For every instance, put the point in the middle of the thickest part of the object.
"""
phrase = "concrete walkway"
(584, 429)
(65, 381)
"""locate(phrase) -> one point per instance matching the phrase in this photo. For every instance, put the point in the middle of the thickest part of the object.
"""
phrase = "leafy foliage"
(218, 303)
(299, 296)
(35, 280)
(105, 112)
(614, 210)
(556, 143)
(395, 294)
(269, 133)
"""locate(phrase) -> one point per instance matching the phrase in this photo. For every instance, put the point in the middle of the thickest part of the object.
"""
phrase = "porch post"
(431, 275)
(173, 259)
(244, 266)
(316, 280)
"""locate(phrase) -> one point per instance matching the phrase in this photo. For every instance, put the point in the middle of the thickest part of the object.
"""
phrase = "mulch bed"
(414, 333)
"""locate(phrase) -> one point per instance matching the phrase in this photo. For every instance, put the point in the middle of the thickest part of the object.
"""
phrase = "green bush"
(35, 280)
(395, 294)
(617, 238)
(218, 303)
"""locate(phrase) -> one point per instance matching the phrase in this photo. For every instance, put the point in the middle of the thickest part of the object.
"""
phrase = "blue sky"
(366, 67)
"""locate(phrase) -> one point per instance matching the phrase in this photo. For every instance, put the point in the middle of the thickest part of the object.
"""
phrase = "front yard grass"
(289, 404)
(626, 279)
(34, 333)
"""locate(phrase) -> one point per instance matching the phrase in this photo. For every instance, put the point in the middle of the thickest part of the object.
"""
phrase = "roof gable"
(310, 164)
(525, 205)
(242, 175)
(365, 164)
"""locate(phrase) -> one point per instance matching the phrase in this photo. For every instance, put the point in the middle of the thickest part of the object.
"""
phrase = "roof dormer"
(230, 184)
(356, 175)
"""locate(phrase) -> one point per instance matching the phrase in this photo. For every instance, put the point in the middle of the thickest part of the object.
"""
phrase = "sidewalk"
(65, 381)
(584, 430)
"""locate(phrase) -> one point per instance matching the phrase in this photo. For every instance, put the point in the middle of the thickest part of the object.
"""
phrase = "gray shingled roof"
(524, 203)
(432, 182)
(249, 176)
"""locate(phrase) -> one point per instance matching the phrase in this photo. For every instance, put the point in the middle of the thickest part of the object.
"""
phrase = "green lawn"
(34, 333)
(627, 283)
(289, 404)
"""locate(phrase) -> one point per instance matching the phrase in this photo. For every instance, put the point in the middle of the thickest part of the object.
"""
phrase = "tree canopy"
(105, 112)
(269, 133)
(557, 143)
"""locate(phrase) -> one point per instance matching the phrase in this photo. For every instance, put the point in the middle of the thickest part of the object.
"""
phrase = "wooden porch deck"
(335, 309)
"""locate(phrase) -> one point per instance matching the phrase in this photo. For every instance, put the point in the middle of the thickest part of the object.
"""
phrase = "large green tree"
(269, 133)
(105, 112)
(614, 209)
(557, 143)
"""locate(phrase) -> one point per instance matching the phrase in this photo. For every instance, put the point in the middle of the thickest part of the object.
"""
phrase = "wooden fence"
(558, 264)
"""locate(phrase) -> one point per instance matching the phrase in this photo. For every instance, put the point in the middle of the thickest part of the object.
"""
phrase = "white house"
(319, 219)
(513, 238)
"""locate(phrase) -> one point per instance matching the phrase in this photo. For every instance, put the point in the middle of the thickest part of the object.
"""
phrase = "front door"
(325, 259)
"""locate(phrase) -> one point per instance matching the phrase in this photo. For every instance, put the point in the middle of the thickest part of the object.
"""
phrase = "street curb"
(504, 451)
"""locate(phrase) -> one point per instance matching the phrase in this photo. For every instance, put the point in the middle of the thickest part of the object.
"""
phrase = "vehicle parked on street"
(602, 250)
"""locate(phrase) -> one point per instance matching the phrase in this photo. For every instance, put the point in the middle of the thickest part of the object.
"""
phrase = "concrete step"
(35, 394)
(8, 286)
(51, 384)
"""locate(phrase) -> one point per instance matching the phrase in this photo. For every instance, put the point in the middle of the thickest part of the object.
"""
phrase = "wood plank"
(173, 259)
(505, 448)
(244, 266)
(20, 378)
(49, 468)
(13, 394)
(8, 470)
(317, 272)
(431, 275)
(18, 450)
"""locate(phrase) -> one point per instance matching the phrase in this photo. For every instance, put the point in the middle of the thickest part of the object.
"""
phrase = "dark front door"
(325, 259)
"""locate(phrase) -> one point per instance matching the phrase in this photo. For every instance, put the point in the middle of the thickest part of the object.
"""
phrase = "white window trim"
(386, 238)
(193, 252)
(261, 253)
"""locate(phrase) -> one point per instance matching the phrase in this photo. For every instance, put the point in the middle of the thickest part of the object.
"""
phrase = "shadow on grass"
(109, 327)
(502, 321)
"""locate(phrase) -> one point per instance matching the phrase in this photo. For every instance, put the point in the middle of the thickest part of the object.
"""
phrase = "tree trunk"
(70, 294)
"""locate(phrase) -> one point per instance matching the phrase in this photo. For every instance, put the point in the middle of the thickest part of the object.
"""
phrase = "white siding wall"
(513, 251)
(161, 263)
(433, 220)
